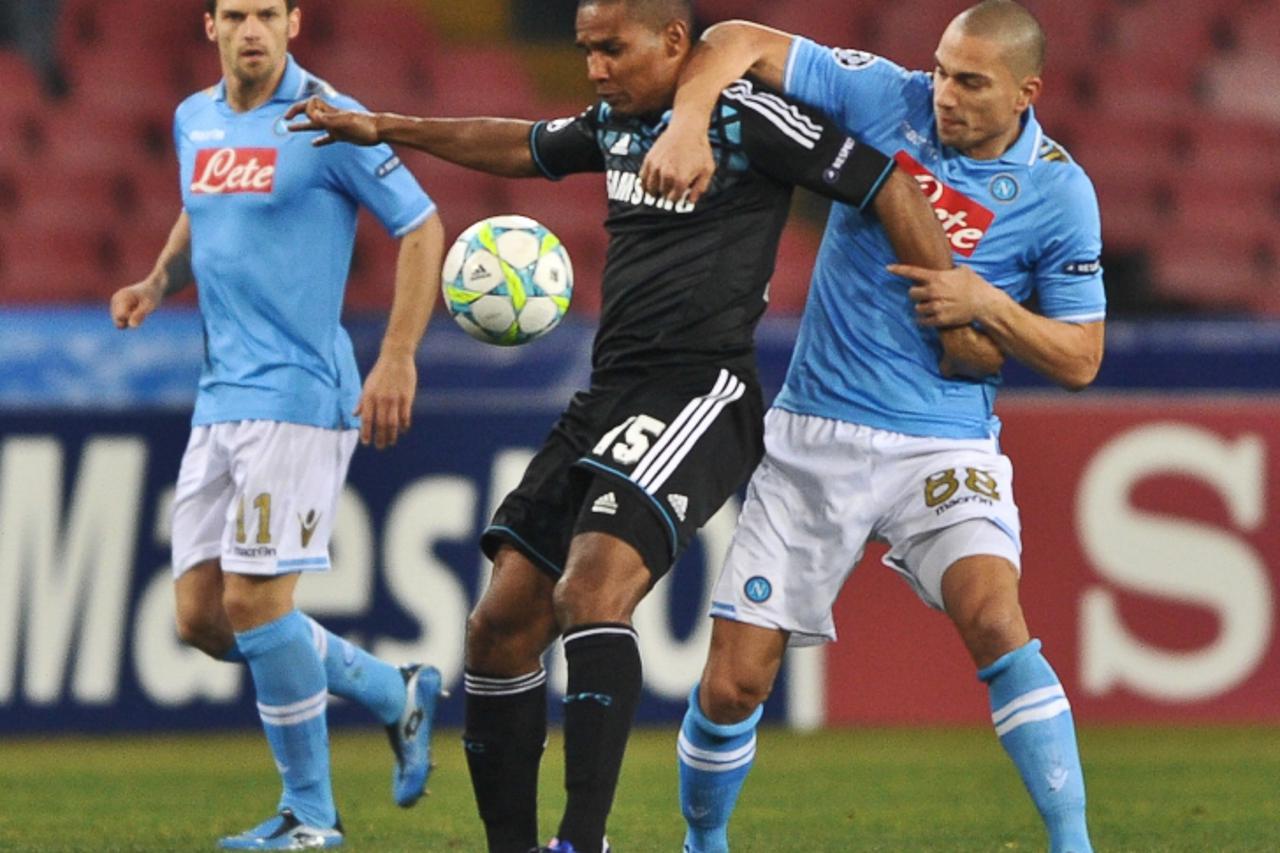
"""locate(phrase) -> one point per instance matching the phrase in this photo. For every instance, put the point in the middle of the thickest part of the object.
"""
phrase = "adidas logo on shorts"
(606, 504)
(680, 503)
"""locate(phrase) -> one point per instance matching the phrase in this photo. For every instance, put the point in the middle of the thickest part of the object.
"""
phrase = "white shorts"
(826, 487)
(260, 496)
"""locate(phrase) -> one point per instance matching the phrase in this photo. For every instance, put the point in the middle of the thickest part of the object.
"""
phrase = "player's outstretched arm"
(498, 146)
(917, 239)
(172, 272)
(680, 161)
(386, 402)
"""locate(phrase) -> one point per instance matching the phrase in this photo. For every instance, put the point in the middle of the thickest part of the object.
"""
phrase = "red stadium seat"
(463, 196)
(908, 33)
(789, 287)
(47, 264)
(1171, 37)
(393, 28)
(1256, 26)
(713, 11)
(393, 84)
(21, 108)
(482, 81)
(844, 25)
(1210, 276)
(1073, 34)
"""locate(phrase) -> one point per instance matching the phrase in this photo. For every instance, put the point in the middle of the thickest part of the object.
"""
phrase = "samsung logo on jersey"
(626, 187)
(1083, 267)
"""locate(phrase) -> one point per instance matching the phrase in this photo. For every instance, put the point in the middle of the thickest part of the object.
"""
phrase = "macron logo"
(606, 504)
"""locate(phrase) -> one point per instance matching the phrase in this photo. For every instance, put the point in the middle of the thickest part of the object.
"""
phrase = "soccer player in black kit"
(671, 425)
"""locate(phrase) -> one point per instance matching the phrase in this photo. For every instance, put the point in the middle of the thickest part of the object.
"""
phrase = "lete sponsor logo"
(963, 219)
(224, 171)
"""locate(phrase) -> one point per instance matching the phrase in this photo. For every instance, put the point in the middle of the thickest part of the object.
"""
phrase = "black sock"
(599, 706)
(506, 731)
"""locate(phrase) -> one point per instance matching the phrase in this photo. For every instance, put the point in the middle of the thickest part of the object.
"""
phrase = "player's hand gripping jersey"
(685, 285)
(273, 222)
(1027, 222)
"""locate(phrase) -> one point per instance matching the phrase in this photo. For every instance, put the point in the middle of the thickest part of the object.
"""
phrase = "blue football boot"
(410, 736)
(284, 832)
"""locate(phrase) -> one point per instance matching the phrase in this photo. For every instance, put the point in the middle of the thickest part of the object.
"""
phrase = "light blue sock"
(352, 673)
(714, 762)
(292, 698)
(355, 674)
(1033, 721)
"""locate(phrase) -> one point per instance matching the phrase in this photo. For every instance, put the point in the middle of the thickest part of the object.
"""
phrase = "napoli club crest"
(758, 589)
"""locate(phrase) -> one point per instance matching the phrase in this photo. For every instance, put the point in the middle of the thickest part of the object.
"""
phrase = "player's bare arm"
(917, 239)
(680, 161)
(386, 403)
(499, 146)
(171, 273)
(1067, 353)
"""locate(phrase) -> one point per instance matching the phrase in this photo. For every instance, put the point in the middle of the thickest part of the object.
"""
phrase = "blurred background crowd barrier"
(1152, 545)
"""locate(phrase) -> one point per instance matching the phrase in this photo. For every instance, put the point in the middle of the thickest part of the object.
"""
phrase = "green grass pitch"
(1159, 789)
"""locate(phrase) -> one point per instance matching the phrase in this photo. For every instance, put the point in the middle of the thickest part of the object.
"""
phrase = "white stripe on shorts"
(679, 438)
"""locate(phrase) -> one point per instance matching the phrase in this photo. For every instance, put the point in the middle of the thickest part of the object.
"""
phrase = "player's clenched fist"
(679, 166)
(131, 305)
(358, 128)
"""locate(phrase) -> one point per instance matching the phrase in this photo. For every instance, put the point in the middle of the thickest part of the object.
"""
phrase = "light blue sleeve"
(866, 94)
(1068, 272)
(378, 180)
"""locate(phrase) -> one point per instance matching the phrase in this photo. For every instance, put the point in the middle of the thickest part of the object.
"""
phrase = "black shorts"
(647, 461)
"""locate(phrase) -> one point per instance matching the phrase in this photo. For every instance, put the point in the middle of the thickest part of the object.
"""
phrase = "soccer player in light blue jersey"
(869, 438)
(267, 229)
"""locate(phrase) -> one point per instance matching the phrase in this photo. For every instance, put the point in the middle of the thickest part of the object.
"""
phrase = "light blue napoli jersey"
(273, 223)
(1026, 222)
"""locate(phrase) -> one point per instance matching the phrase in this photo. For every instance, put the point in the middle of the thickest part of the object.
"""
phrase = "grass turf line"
(1157, 789)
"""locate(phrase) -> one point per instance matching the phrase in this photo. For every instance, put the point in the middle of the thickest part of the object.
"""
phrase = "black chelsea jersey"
(686, 284)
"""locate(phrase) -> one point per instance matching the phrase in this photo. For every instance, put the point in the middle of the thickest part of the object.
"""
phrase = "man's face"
(633, 67)
(977, 100)
(252, 36)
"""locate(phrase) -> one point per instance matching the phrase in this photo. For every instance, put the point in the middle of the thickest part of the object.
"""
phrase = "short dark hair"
(211, 6)
(1015, 27)
(656, 13)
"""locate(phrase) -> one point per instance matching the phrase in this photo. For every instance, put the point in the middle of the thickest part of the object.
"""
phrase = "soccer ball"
(507, 280)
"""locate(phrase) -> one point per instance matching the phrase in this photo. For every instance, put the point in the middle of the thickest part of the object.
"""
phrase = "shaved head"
(655, 13)
(1013, 27)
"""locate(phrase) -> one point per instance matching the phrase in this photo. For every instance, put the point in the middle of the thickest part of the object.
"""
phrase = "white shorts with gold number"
(827, 487)
(260, 496)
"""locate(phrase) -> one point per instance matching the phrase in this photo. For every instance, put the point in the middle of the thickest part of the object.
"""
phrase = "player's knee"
(500, 644)
(605, 580)
(996, 626)
(728, 699)
(201, 631)
(572, 602)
